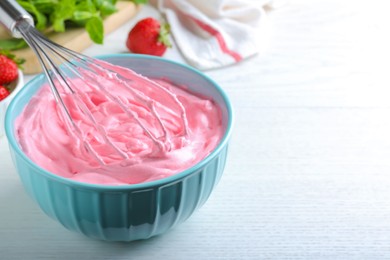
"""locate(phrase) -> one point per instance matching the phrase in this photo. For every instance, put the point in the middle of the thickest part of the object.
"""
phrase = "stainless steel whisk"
(60, 64)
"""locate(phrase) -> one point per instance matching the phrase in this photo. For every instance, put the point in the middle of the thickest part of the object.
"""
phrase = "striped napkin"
(216, 33)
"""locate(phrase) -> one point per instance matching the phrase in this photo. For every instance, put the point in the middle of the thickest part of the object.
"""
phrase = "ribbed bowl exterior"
(127, 212)
(121, 215)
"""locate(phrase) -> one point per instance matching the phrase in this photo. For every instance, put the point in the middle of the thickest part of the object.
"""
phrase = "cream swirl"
(174, 146)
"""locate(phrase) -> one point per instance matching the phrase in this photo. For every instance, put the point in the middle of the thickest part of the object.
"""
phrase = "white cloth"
(215, 33)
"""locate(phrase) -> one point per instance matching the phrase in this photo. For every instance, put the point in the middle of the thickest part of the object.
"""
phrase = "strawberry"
(3, 92)
(8, 70)
(148, 36)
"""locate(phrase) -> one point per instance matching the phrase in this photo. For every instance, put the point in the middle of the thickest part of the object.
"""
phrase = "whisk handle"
(11, 13)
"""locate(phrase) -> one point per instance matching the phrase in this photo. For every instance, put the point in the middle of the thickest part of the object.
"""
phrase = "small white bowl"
(15, 87)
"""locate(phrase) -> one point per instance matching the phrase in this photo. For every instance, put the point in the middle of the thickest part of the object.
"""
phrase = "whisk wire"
(60, 65)
(113, 76)
(71, 66)
(50, 69)
(94, 64)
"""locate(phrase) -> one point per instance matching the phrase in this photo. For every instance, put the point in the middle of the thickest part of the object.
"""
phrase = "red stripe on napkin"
(221, 41)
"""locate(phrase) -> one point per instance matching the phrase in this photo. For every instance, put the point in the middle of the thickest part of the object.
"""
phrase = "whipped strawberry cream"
(144, 145)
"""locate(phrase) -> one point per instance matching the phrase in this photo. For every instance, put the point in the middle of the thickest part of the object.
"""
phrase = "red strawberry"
(148, 36)
(8, 70)
(3, 92)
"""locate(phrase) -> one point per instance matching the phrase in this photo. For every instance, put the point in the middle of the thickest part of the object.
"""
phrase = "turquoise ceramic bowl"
(131, 212)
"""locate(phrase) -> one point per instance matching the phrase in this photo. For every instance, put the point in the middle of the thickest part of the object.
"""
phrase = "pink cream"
(47, 141)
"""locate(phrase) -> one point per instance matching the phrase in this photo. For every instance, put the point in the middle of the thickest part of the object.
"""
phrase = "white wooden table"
(308, 175)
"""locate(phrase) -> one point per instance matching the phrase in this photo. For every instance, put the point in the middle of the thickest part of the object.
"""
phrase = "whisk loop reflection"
(62, 65)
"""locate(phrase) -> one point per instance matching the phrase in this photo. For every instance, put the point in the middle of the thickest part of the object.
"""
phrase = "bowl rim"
(138, 186)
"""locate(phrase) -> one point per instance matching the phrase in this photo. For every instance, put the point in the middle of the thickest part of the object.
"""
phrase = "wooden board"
(78, 39)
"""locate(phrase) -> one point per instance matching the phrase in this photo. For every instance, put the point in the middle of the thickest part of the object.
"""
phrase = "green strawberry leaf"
(163, 36)
(13, 57)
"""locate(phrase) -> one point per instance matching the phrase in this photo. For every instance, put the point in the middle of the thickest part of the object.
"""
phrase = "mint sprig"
(58, 16)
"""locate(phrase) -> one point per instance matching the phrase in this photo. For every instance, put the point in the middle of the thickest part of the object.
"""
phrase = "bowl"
(15, 87)
(126, 212)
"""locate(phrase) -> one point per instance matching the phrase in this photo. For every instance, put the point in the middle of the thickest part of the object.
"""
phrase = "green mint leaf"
(64, 11)
(100, 2)
(58, 25)
(97, 3)
(87, 6)
(107, 8)
(79, 16)
(58, 15)
(95, 29)
(139, 1)
(84, 11)
(39, 18)
(12, 44)
(45, 6)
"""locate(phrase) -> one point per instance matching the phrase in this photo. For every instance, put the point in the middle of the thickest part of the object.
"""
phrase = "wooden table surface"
(308, 174)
